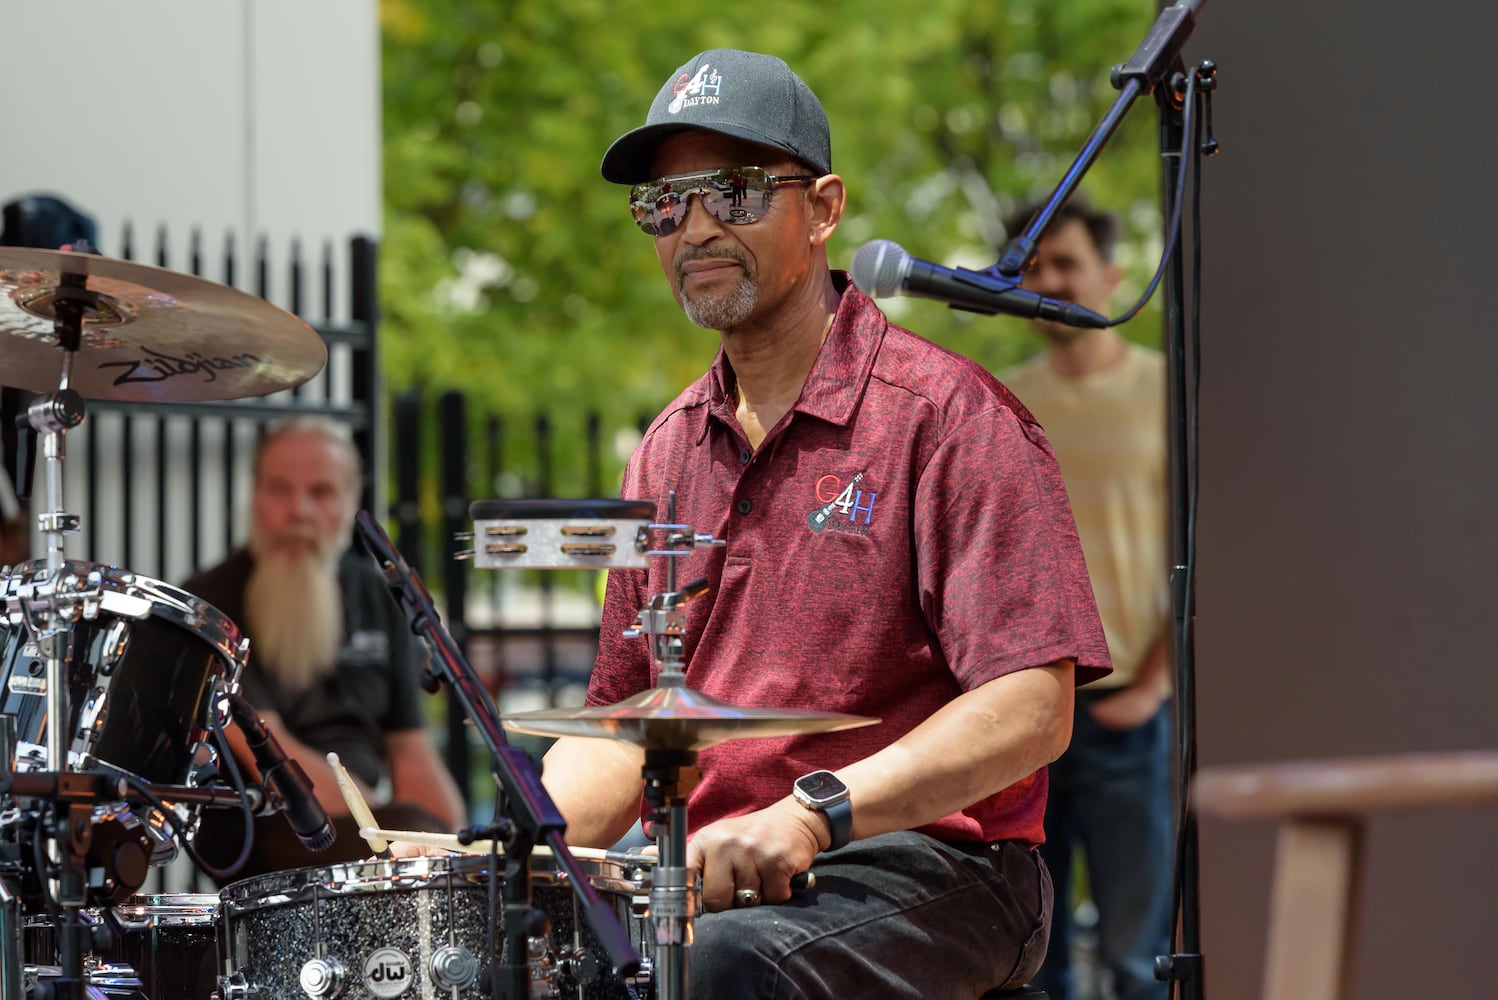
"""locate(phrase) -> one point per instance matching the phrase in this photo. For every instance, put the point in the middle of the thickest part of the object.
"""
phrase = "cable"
(180, 828)
(1188, 112)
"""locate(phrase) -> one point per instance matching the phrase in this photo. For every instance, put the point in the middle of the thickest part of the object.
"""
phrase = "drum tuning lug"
(235, 987)
(322, 978)
(453, 967)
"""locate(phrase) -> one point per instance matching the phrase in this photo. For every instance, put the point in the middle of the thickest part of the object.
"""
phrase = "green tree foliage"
(512, 271)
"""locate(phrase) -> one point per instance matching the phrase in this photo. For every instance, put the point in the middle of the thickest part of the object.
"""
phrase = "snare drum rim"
(406, 874)
(350, 878)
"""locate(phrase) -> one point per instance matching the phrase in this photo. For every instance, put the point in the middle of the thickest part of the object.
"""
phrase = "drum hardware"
(76, 326)
(530, 818)
(670, 721)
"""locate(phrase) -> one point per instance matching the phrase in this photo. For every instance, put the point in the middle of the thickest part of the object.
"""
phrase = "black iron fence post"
(407, 508)
(453, 424)
(364, 376)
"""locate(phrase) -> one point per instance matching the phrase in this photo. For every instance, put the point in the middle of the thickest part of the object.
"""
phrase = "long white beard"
(294, 609)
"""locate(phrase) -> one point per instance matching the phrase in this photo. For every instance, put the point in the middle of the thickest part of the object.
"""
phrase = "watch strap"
(840, 819)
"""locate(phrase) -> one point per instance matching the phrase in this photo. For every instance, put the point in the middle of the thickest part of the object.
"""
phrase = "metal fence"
(531, 635)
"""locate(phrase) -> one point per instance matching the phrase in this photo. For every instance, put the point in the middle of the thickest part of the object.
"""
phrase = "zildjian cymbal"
(678, 718)
(148, 334)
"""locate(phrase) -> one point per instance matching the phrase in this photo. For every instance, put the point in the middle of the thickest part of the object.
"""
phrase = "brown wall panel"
(1348, 563)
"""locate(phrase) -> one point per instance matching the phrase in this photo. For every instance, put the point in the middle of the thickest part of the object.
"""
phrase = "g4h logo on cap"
(704, 87)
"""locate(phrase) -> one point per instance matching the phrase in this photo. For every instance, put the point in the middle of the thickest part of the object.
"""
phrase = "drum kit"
(146, 677)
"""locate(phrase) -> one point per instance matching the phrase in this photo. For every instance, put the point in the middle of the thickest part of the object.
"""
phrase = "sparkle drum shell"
(415, 928)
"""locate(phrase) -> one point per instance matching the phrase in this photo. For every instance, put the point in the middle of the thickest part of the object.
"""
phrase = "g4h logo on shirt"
(852, 509)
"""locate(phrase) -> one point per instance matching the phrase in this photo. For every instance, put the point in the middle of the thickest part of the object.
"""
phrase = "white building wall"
(251, 116)
(243, 119)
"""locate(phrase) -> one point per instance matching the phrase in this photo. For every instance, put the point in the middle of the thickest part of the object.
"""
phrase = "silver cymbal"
(678, 718)
(149, 334)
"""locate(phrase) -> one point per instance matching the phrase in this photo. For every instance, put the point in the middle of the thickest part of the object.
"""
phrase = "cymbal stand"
(55, 601)
(670, 772)
(51, 415)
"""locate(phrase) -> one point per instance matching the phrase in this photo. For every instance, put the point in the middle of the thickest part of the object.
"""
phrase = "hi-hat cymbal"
(149, 334)
(678, 718)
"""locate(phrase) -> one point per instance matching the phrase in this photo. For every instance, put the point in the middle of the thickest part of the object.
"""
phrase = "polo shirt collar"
(837, 378)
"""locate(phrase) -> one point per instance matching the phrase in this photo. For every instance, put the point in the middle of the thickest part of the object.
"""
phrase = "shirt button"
(745, 506)
(745, 456)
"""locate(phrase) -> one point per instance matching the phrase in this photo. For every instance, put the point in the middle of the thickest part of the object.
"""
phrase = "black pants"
(895, 916)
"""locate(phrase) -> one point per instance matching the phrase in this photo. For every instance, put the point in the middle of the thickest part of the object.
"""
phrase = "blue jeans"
(1111, 796)
(895, 916)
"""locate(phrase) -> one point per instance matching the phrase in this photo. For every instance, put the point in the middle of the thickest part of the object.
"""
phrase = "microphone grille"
(322, 839)
(879, 268)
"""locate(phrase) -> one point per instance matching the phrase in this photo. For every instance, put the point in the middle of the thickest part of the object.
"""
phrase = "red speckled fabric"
(902, 536)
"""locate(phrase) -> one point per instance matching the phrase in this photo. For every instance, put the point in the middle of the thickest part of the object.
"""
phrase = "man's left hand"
(1128, 709)
(759, 850)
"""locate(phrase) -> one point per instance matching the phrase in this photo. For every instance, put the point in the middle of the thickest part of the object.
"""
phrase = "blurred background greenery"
(512, 272)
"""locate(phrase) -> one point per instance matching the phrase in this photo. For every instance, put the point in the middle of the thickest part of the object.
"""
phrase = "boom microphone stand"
(1156, 67)
(534, 816)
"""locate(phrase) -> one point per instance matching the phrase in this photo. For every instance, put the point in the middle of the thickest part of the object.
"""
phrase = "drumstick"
(444, 841)
(357, 806)
(449, 842)
(800, 882)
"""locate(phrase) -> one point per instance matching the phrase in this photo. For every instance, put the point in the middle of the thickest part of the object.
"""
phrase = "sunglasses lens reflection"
(737, 196)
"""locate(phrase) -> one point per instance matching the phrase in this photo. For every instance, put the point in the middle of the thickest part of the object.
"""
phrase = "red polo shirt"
(900, 537)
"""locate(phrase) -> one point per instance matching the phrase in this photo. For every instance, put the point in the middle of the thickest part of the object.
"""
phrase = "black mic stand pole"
(535, 817)
(1156, 67)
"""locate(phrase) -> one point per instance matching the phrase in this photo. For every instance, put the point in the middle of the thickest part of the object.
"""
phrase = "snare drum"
(144, 660)
(417, 928)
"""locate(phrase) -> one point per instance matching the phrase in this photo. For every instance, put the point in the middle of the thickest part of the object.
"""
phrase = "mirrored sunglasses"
(735, 195)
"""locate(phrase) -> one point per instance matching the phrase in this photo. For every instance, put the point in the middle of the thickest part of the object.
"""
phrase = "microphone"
(882, 268)
(285, 778)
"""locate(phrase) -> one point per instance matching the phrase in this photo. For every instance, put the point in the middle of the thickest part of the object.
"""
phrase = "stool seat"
(1023, 993)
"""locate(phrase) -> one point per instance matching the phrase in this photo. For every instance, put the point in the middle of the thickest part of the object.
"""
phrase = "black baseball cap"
(741, 94)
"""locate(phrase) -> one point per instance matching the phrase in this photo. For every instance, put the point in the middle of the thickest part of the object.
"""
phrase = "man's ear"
(1114, 274)
(828, 198)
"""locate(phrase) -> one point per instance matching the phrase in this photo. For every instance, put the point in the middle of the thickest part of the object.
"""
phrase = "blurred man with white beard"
(333, 665)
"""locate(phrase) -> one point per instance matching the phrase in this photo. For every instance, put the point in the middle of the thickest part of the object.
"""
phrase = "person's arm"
(596, 785)
(324, 784)
(1136, 703)
(418, 775)
(973, 747)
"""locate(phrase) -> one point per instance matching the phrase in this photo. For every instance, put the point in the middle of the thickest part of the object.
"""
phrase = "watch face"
(821, 786)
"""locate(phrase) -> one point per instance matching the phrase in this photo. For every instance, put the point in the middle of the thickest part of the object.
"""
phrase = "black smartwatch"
(825, 792)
